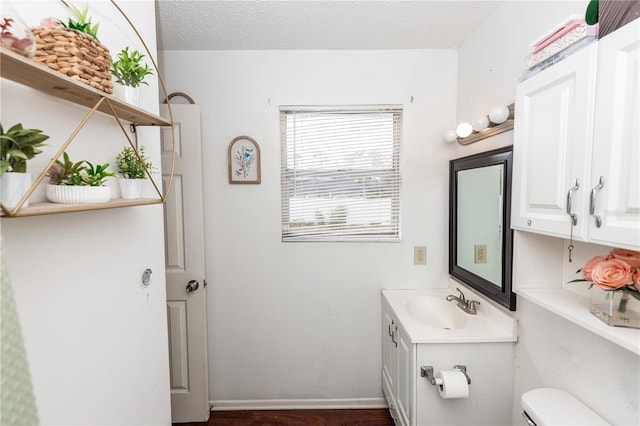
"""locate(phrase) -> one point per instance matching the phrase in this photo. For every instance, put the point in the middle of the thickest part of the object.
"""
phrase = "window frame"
(393, 233)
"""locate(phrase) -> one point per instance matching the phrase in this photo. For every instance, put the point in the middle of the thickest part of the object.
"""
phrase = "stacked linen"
(558, 43)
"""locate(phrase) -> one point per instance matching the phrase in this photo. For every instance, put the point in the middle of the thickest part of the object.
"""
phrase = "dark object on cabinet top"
(613, 14)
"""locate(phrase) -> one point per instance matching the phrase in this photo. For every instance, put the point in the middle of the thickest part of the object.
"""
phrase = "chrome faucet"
(469, 306)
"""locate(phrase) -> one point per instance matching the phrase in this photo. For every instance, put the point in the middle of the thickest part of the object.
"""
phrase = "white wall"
(96, 340)
(551, 352)
(299, 320)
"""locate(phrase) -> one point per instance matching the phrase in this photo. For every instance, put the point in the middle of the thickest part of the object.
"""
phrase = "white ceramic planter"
(66, 194)
(126, 93)
(130, 188)
(13, 186)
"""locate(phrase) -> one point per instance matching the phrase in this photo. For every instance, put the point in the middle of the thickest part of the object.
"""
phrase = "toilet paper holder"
(427, 371)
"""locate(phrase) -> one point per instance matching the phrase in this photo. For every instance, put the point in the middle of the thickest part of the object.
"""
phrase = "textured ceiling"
(311, 24)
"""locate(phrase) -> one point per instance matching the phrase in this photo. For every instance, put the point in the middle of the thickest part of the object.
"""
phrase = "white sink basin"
(428, 317)
(437, 312)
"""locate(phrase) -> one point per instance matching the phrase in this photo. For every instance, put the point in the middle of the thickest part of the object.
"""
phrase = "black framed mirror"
(480, 236)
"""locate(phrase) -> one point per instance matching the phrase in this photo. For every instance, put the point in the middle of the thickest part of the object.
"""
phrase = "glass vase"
(15, 34)
(616, 308)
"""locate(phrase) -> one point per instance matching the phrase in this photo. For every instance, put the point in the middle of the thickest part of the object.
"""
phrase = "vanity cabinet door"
(616, 146)
(405, 380)
(398, 369)
(552, 146)
(389, 358)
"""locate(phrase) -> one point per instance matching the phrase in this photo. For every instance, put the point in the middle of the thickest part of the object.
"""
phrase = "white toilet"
(547, 406)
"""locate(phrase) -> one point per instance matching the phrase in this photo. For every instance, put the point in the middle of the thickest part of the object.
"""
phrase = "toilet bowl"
(547, 406)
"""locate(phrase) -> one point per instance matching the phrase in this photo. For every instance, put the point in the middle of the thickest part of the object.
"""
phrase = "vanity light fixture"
(500, 119)
(464, 129)
(450, 136)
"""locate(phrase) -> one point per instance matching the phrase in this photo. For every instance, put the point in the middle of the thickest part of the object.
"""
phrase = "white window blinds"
(340, 174)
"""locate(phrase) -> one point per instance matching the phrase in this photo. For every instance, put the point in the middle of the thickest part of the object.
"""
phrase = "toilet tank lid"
(547, 406)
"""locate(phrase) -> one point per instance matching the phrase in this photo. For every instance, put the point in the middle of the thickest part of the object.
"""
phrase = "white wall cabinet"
(551, 149)
(577, 125)
(579, 119)
(616, 146)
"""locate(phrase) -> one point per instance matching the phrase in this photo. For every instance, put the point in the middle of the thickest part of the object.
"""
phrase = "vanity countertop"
(428, 317)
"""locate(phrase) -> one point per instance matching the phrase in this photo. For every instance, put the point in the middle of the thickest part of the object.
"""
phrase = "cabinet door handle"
(592, 202)
(393, 336)
(574, 217)
(390, 332)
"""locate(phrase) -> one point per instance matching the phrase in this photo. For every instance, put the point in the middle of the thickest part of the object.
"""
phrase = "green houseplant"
(131, 166)
(78, 182)
(132, 169)
(17, 146)
(82, 22)
(129, 71)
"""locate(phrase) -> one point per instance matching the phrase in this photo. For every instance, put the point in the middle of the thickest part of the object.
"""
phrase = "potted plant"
(132, 169)
(77, 52)
(78, 183)
(17, 146)
(129, 71)
(82, 22)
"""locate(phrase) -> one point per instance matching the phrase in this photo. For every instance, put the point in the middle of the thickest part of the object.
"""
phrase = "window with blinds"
(340, 174)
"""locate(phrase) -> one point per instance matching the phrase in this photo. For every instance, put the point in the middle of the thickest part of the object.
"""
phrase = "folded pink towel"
(559, 33)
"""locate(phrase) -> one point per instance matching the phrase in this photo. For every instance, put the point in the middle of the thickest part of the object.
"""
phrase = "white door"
(616, 147)
(552, 146)
(184, 253)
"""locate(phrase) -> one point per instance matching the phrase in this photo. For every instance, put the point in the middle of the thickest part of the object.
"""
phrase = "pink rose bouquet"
(618, 271)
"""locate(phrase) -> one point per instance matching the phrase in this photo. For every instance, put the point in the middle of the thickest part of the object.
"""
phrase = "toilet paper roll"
(452, 384)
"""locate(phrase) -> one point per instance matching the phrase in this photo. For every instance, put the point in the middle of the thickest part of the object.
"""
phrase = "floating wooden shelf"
(40, 209)
(31, 74)
(37, 76)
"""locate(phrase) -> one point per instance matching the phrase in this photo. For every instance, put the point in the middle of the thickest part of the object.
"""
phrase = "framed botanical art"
(244, 160)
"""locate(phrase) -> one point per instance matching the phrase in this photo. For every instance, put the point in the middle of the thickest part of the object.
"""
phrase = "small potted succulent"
(78, 182)
(17, 145)
(132, 169)
(129, 72)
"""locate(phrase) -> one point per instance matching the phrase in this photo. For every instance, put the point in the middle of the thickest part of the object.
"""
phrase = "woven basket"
(74, 54)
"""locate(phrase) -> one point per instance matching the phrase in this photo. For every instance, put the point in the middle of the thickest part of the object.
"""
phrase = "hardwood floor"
(359, 417)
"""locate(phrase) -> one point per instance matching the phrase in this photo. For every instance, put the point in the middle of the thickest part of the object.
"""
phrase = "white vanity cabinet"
(577, 124)
(486, 349)
(398, 356)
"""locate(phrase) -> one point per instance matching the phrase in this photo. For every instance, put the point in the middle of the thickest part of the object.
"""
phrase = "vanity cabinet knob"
(529, 222)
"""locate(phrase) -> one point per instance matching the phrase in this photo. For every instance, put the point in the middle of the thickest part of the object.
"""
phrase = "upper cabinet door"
(552, 147)
(616, 152)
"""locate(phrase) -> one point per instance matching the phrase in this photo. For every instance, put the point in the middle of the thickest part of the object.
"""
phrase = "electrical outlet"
(420, 255)
(480, 253)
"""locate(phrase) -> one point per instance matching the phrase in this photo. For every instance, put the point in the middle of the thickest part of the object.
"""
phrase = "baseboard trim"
(297, 404)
